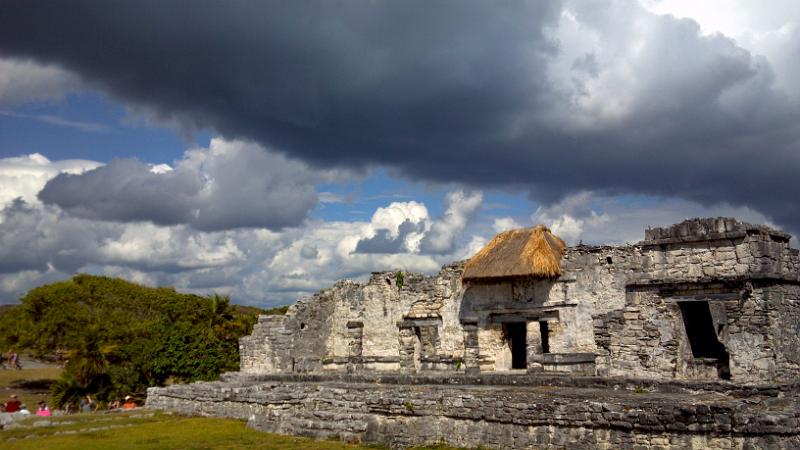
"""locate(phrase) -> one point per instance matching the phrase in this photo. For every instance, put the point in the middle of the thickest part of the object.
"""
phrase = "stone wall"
(620, 304)
(426, 361)
(503, 417)
(784, 317)
(268, 349)
(703, 249)
(316, 331)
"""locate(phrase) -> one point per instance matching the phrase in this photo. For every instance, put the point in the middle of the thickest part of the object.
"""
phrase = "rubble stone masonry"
(687, 339)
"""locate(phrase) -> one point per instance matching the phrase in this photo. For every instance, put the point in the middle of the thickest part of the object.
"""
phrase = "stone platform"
(500, 411)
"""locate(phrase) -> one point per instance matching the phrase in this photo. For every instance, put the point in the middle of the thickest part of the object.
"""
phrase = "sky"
(265, 150)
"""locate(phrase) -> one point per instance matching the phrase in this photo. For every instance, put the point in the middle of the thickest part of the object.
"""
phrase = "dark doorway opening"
(545, 335)
(515, 333)
(703, 337)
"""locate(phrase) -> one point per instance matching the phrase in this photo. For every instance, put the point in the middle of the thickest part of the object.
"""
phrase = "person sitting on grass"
(43, 410)
(23, 410)
(129, 403)
(87, 404)
(13, 404)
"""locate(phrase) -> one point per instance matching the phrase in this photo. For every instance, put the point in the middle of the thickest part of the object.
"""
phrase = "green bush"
(121, 338)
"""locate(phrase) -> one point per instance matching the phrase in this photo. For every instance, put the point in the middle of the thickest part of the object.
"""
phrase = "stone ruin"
(688, 339)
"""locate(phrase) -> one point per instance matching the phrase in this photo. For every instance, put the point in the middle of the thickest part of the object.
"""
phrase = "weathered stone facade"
(704, 301)
(614, 311)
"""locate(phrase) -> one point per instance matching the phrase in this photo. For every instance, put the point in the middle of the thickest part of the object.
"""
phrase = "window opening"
(703, 337)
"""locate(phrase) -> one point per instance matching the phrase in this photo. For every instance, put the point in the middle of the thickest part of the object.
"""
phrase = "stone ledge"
(525, 379)
(361, 359)
(564, 358)
(406, 414)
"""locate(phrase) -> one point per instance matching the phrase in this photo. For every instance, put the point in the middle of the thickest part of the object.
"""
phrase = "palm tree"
(220, 313)
(86, 372)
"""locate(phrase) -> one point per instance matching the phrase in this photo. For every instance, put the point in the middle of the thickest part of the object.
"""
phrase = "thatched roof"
(532, 252)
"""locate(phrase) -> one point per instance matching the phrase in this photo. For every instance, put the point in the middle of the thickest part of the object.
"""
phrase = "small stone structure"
(707, 303)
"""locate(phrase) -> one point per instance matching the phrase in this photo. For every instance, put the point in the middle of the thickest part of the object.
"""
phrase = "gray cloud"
(230, 185)
(24, 81)
(37, 239)
(384, 242)
(125, 190)
(604, 96)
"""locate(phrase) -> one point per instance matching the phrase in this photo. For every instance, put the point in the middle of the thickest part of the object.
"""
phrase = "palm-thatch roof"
(534, 252)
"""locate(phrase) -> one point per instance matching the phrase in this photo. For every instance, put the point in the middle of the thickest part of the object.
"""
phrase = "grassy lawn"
(144, 429)
(30, 385)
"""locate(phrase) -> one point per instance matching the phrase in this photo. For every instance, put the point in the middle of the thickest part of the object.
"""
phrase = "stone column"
(471, 347)
(407, 346)
(533, 339)
(355, 347)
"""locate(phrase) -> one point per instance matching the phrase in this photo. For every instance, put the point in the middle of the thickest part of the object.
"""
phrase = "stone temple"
(687, 339)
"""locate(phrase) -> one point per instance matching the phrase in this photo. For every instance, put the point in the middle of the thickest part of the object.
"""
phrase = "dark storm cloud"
(476, 92)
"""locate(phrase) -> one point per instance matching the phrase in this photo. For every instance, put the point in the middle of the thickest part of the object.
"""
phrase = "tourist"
(129, 403)
(87, 404)
(13, 360)
(23, 410)
(13, 404)
(113, 405)
(43, 410)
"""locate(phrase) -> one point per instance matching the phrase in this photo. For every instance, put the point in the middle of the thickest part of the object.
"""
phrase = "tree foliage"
(121, 337)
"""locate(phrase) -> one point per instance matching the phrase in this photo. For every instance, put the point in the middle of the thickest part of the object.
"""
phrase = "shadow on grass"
(41, 384)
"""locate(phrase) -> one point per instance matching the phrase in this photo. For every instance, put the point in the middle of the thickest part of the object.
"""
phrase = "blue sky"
(117, 133)
(97, 128)
(269, 163)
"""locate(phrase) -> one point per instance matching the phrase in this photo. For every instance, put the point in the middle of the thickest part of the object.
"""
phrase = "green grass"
(144, 429)
(160, 432)
(9, 376)
(30, 385)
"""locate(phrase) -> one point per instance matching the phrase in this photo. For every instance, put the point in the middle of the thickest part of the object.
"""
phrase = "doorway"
(515, 335)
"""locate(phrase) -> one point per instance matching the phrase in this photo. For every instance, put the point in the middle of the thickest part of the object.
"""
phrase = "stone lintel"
(469, 320)
(643, 282)
(411, 323)
(355, 324)
(729, 296)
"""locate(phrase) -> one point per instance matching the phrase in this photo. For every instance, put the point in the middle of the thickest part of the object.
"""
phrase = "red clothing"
(12, 406)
